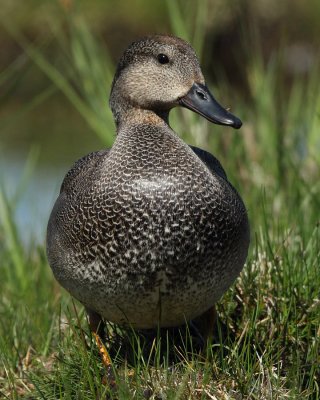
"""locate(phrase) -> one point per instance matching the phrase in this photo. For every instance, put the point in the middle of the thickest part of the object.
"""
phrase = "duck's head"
(160, 72)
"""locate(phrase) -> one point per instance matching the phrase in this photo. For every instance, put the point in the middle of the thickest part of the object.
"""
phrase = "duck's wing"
(82, 170)
(210, 161)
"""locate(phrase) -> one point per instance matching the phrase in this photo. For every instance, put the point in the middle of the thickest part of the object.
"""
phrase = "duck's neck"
(124, 111)
(139, 116)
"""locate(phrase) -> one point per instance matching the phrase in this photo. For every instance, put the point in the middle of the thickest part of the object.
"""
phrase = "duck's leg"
(206, 322)
(95, 322)
(97, 328)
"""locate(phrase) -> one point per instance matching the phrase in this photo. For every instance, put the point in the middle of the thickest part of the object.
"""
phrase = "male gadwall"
(150, 233)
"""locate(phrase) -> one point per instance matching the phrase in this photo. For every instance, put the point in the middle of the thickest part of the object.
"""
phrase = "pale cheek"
(144, 89)
(166, 91)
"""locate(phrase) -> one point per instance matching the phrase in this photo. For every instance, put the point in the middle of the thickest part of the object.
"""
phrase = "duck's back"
(149, 232)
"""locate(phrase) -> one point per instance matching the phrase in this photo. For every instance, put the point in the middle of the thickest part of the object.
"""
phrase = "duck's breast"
(154, 222)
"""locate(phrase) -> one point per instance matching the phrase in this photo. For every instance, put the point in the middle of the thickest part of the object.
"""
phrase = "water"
(35, 198)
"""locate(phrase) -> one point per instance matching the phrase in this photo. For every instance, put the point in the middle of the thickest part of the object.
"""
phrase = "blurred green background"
(57, 61)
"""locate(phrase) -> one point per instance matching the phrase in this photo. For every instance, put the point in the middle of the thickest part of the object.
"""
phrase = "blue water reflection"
(34, 202)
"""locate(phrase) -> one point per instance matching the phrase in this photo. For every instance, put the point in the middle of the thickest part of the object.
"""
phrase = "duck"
(150, 233)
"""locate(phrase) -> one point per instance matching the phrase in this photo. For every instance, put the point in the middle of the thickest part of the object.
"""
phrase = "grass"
(268, 334)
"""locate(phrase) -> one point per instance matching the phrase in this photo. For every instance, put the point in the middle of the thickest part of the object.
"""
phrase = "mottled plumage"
(149, 232)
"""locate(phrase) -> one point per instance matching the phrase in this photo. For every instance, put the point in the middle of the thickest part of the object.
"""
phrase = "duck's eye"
(163, 58)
